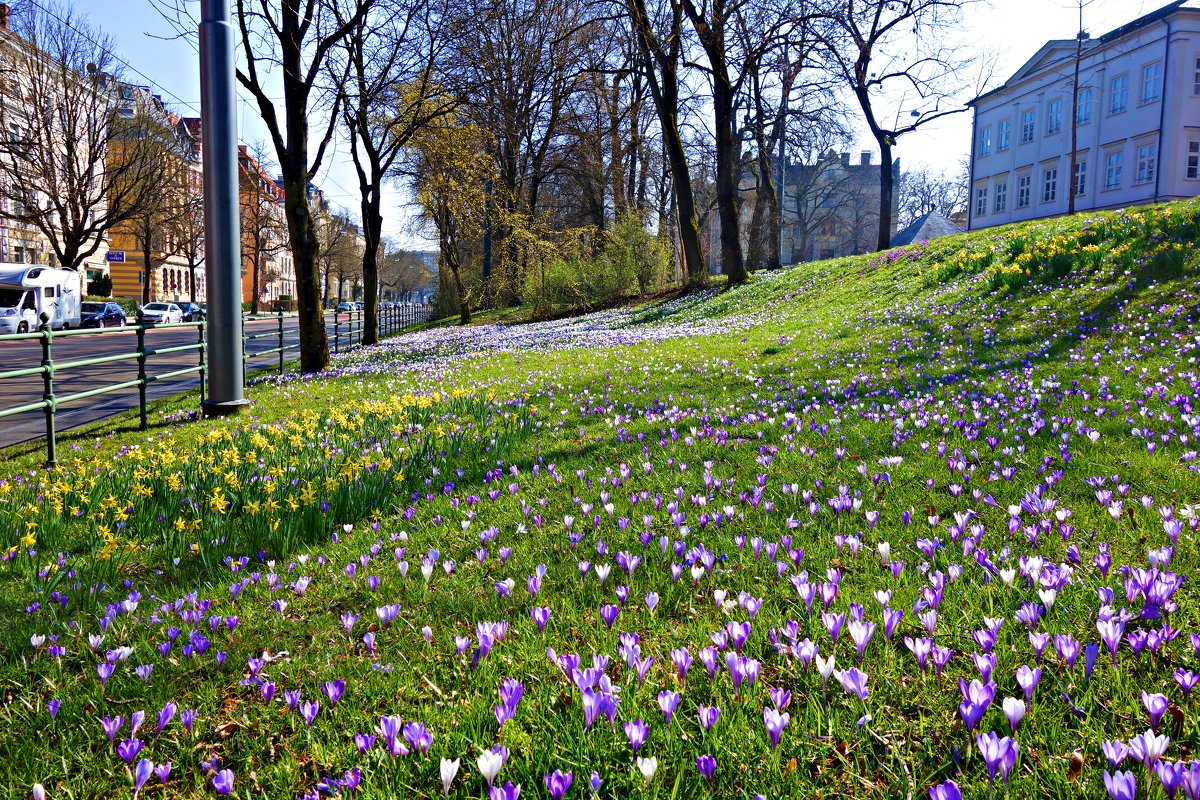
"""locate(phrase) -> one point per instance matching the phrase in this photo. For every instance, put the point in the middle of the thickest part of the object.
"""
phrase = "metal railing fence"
(347, 333)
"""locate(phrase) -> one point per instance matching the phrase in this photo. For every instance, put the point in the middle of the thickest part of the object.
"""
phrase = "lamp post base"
(228, 409)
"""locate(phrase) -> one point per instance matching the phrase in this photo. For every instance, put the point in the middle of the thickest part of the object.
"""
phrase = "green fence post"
(48, 386)
(141, 359)
(280, 341)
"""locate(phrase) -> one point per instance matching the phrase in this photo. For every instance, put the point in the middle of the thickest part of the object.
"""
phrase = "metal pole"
(141, 361)
(281, 341)
(222, 234)
(48, 387)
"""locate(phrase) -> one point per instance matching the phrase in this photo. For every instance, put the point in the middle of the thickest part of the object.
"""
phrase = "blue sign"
(115, 256)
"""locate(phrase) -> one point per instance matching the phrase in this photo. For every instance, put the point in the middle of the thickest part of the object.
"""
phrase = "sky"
(1011, 30)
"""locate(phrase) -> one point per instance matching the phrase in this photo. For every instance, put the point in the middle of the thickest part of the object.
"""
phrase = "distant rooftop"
(928, 226)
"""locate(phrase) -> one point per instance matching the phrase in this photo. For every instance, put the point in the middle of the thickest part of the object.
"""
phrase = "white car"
(166, 313)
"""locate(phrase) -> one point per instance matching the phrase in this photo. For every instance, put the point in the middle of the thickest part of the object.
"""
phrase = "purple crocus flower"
(111, 725)
(163, 771)
(854, 682)
(222, 782)
(557, 783)
(609, 613)
(188, 718)
(668, 702)
(637, 733)
(775, 722)
(141, 774)
(945, 791)
(707, 766)
(541, 616)
(334, 691)
(1147, 747)
(129, 749)
(52, 706)
(1028, 680)
(1120, 785)
(418, 737)
(1171, 776)
(309, 710)
(1156, 705)
(505, 792)
(165, 716)
(708, 716)
(998, 754)
(1115, 752)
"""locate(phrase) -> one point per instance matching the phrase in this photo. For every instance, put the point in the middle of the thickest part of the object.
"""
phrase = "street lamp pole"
(222, 233)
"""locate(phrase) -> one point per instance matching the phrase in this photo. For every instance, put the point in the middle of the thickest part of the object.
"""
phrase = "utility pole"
(222, 232)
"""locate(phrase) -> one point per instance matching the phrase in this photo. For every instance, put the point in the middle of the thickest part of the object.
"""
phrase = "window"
(1193, 159)
(1005, 135)
(1023, 184)
(1027, 122)
(1080, 181)
(981, 202)
(985, 141)
(1053, 117)
(1049, 185)
(1113, 164)
(1001, 201)
(1120, 95)
(1152, 83)
(1083, 109)
(1147, 156)
(1196, 78)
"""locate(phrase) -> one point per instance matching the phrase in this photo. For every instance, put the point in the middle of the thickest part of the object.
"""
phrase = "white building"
(1137, 125)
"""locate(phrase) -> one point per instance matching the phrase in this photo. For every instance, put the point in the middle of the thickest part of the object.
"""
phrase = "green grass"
(1056, 338)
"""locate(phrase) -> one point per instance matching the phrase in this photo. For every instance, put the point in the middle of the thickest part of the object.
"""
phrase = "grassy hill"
(844, 493)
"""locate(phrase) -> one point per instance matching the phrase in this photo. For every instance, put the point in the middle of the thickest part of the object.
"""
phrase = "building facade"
(831, 207)
(160, 229)
(1136, 124)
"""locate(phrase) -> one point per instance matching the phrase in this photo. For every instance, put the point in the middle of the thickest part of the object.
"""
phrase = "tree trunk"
(314, 342)
(148, 267)
(255, 290)
(732, 263)
(886, 189)
(372, 223)
(192, 282)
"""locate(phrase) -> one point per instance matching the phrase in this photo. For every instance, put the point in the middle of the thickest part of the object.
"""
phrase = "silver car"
(162, 313)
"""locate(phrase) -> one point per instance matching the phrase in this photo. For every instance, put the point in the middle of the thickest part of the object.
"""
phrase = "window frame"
(1152, 78)
(1054, 114)
(1050, 185)
(1028, 125)
(1024, 190)
(1000, 198)
(1114, 94)
(1079, 179)
(1084, 101)
(1114, 169)
(1147, 163)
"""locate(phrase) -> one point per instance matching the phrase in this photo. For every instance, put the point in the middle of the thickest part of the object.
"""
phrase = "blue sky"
(1012, 29)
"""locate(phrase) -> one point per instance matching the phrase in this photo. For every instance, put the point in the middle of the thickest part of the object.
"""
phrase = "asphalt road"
(22, 354)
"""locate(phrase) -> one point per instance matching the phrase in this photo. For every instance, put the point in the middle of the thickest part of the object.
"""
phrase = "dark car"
(191, 312)
(101, 315)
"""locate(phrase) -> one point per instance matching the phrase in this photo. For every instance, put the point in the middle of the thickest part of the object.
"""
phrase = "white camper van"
(26, 290)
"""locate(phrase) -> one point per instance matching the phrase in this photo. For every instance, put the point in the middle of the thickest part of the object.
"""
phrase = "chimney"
(845, 159)
(864, 158)
(5, 12)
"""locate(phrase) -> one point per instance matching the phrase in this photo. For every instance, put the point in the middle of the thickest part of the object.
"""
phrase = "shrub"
(100, 288)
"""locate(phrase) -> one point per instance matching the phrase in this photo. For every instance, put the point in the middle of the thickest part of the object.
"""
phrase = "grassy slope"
(1037, 335)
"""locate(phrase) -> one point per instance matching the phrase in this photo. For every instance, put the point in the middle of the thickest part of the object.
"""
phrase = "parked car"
(360, 305)
(101, 315)
(191, 312)
(166, 313)
(344, 308)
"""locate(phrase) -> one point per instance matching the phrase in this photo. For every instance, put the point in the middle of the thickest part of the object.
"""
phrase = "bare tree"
(264, 232)
(879, 45)
(188, 230)
(922, 190)
(392, 56)
(658, 31)
(294, 39)
(336, 250)
(76, 158)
